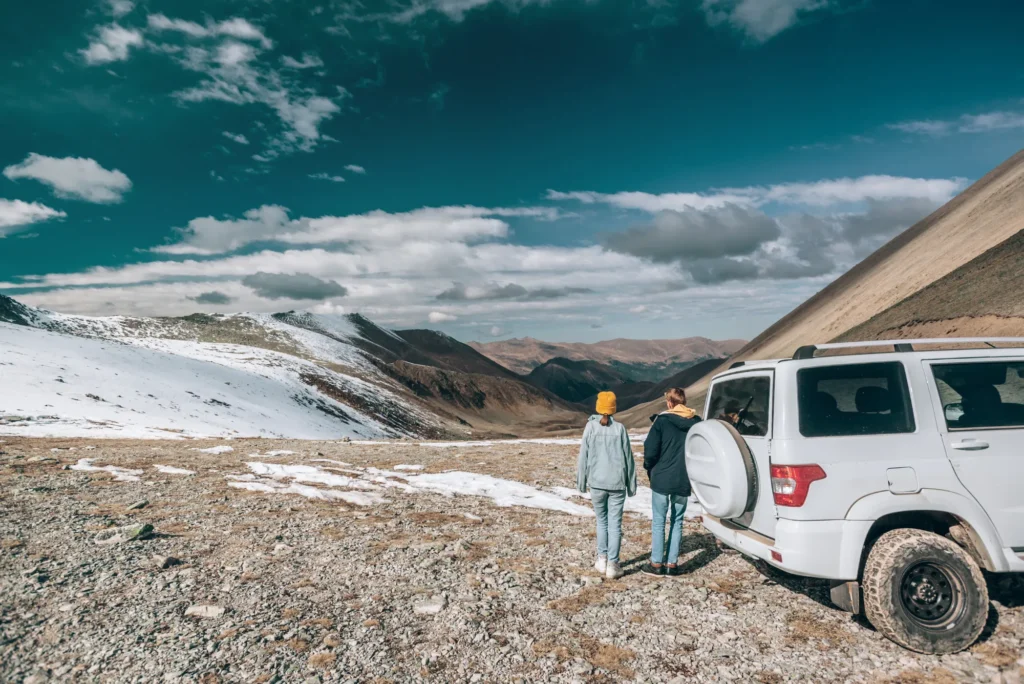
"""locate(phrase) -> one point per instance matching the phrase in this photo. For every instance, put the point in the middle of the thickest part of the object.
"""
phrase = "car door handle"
(970, 445)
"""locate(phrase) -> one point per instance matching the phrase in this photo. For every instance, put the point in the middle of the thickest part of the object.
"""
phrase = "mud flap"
(846, 595)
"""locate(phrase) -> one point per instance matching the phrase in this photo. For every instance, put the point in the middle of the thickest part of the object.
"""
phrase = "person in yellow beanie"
(606, 465)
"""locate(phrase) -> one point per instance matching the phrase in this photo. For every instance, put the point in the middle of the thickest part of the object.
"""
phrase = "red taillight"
(790, 483)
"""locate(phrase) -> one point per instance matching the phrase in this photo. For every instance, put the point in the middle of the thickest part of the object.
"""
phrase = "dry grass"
(806, 627)
(587, 596)
(298, 645)
(11, 543)
(546, 647)
(318, 622)
(304, 583)
(322, 661)
(608, 657)
(332, 641)
(290, 613)
(766, 677)
(996, 655)
(371, 623)
(937, 676)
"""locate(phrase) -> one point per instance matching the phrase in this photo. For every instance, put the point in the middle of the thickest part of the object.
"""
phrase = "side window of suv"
(981, 395)
(744, 402)
(854, 399)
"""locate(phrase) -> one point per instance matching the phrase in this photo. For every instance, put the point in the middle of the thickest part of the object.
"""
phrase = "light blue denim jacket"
(606, 458)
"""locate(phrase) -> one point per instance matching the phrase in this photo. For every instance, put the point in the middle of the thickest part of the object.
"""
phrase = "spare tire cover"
(721, 469)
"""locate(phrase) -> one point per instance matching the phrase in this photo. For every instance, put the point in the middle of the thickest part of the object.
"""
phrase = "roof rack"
(807, 351)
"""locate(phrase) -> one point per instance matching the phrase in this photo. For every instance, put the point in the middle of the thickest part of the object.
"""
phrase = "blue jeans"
(671, 506)
(608, 505)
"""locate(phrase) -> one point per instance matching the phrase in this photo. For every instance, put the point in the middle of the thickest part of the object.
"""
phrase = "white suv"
(897, 475)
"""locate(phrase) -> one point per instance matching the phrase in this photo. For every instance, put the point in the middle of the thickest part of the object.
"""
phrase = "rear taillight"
(790, 483)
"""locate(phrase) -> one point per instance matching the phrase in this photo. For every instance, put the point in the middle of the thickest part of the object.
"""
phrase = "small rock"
(204, 611)
(282, 549)
(137, 506)
(164, 562)
(127, 533)
(430, 606)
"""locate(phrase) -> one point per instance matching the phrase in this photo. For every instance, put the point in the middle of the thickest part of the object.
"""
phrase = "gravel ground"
(249, 586)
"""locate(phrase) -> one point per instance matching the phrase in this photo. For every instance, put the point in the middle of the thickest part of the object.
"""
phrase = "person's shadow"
(703, 543)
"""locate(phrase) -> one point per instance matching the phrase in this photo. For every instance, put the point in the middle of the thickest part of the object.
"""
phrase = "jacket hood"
(678, 420)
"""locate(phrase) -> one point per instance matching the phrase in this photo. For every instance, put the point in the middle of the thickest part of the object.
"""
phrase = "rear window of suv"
(854, 399)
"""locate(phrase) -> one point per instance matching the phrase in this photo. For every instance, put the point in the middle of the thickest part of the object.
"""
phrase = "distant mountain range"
(638, 360)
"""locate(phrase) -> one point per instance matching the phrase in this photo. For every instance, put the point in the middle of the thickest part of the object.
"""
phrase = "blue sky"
(566, 169)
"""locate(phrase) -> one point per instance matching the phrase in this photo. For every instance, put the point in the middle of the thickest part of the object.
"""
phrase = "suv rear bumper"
(829, 549)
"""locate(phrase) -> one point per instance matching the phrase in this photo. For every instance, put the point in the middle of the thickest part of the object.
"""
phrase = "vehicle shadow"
(706, 551)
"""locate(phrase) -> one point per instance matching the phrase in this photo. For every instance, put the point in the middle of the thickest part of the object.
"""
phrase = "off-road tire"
(895, 560)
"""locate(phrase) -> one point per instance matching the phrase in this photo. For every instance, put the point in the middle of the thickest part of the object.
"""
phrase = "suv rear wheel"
(924, 592)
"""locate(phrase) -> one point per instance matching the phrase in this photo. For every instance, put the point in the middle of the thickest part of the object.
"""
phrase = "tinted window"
(744, 402)
(981, 395)
(858, 399)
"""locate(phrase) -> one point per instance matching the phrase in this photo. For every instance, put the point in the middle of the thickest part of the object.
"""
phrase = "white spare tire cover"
(720, 468)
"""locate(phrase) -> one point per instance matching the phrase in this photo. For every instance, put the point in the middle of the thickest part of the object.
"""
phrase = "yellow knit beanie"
(606, 403)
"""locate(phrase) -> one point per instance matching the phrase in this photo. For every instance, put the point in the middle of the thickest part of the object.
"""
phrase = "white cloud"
(759, 20)
(237, 137)
(967, 123)
(821, 193)
(441, 317)
(119, 8)
(236, 27)
(73, 177)
(327, 177)
(638, 309)
(497, 331)
(16, 215)
(112, 43)
(232, 74)
(308, 61)
(209, 235)
(355, 168)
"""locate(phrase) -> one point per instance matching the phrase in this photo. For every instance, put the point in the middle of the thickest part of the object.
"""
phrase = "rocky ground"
(237, 585)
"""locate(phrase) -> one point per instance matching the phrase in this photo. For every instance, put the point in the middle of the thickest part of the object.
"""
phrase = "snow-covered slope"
(291, 374)
(68, 386)
(244, 374)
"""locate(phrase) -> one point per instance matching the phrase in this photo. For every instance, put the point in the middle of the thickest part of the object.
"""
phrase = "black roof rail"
(737, 364)
(807, 351)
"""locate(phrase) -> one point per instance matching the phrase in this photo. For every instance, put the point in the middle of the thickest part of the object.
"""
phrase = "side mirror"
(954, 412)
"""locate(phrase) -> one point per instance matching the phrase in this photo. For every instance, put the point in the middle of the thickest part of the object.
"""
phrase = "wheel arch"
(945, 513)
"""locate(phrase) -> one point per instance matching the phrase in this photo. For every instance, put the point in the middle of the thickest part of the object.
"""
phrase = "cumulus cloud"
(440, 317)
(967, 123)
(111, 43)
(497, 331)
(212, 297)
(742, 243)
(760, 20)
(236, 137)
(17, 215)
(119, 8)
(210, 235)
(300, 286)
(694, 234)
(355, 168)
(73, 178)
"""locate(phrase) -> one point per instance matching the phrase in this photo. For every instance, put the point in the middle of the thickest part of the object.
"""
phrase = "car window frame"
(940, 410)
(743, 376)
(915, 424)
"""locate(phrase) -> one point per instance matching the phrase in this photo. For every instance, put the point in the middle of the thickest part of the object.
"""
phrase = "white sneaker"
(613, 571)
(602, 564)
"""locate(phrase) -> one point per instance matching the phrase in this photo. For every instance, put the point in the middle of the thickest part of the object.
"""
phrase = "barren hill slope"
(652, 360)
(982, 218)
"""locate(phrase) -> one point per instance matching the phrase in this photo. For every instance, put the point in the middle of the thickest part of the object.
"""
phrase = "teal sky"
(567, 169)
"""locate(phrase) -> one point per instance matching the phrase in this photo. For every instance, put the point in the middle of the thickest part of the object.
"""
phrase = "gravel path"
(233, 585)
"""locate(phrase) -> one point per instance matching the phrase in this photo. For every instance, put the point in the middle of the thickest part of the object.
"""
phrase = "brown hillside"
(524, 354)
(984, 216)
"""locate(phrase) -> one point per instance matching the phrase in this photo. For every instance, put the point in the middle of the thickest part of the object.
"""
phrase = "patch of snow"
(280, 452)
(171, 470)
(328, 460)
(408, 467)
(222, 449)
(120, 474)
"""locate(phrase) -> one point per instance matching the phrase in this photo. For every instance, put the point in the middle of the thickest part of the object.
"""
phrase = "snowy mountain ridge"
(294, 375)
